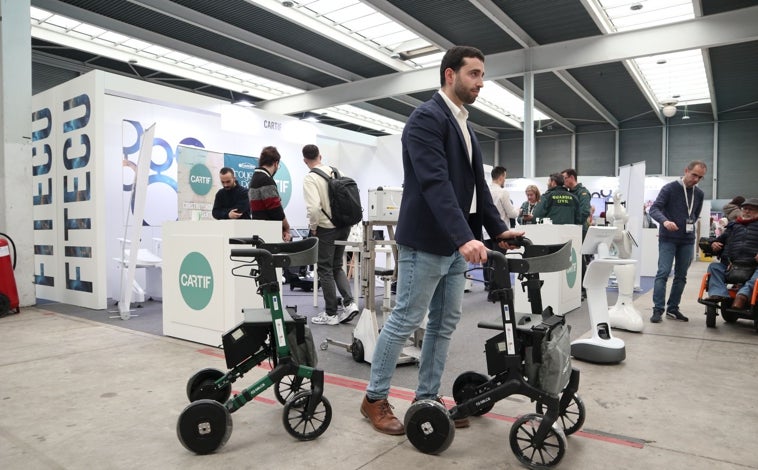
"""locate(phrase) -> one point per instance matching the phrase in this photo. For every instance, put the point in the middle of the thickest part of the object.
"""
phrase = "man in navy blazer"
(446, 202)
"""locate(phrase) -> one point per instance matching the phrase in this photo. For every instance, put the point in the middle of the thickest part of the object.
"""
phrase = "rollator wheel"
(710, 316)
(572, 418)
(204, 426)
(202, 386)
(527, 451)
(356, 349)
(289, 386)
(429, 427)
(464, 388)
(302, 425)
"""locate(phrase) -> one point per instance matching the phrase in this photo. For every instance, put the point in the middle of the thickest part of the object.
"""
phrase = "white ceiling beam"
(710, 31)
(546, 110)
(697, 5)
(409, 22)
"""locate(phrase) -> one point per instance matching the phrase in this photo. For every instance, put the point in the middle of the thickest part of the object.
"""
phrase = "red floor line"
(409, 395)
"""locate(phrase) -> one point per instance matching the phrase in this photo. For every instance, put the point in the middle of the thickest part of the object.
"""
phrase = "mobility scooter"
(269, 333)
(529, 356)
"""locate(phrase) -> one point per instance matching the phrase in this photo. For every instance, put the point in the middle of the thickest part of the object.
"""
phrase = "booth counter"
(561, 290)
(202, 299)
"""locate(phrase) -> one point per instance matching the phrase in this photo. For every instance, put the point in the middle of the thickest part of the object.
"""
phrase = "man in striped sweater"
(265, 203)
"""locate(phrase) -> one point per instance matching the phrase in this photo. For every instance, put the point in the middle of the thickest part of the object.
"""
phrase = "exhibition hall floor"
(79, 393)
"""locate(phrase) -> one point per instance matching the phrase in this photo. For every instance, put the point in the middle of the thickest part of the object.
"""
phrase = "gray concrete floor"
(76, 394)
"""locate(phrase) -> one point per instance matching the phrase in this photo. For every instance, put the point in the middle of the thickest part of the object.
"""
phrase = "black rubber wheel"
(201, 386)
(572, 418)
(521, 438)
(429, 427)
(289, 386)
(710, 316)
(356, 349)
(729, 317)
(204, 426)
(465, 386)
(299, 423)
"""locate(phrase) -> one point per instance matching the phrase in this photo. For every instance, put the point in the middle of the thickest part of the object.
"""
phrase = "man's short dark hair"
(454, 58)
(269, 156)
(557, 178)
(225, 171)
(570, 172)
(497, 172)
(310, 152)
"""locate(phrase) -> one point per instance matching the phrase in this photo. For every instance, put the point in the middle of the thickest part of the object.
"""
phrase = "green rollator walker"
(270, 333)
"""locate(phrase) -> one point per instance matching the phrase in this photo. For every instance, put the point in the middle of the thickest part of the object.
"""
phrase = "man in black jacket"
(231, 201)
(739, 243)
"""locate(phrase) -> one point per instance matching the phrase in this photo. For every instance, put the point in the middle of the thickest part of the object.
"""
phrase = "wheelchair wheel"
(729, 317)
(356, 349)
(302, 425)
(464, 388)
(521, 438)
(289, 386)
(429, 427)
(572, 418)
(202, 386)
(710, 316)
(204, 426)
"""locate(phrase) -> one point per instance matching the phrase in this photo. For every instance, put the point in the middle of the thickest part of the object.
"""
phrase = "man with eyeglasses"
(676, 209)
(738, 244)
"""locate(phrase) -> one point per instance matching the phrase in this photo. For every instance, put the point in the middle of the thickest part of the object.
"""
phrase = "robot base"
(625, 317)
(598, 350)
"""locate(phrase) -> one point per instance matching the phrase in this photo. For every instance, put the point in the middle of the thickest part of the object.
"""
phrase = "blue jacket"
(439, 184)
(671, 205)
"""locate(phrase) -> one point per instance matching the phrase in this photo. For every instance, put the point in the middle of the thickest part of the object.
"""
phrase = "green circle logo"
(196, 281)
(571, 271)
(201, 180)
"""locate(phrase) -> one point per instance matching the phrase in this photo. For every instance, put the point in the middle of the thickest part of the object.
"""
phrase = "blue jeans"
(679, 255)
(717, 282)
(425, 281)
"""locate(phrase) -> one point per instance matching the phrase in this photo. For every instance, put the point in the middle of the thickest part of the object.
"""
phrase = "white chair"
(145, 259)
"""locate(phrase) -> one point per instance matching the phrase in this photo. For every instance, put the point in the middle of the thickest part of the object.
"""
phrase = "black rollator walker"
(529, 356)
(205, 424)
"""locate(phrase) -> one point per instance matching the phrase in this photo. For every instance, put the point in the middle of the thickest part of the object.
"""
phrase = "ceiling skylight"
(362, 23)
(72, 33)
(679, 76)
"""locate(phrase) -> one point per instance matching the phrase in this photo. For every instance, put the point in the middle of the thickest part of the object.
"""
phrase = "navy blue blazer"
(439, 184)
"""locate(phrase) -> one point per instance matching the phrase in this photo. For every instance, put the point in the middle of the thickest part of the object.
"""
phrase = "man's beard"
(464, 94)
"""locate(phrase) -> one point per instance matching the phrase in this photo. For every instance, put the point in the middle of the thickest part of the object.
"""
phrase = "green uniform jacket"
(560, 206)
(584, 196)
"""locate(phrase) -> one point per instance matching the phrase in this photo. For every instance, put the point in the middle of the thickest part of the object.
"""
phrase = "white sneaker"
(349, 312)
(324, 319)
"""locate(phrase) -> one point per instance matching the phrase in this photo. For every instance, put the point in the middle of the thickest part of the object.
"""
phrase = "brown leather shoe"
(459, 423)
(740, 302)
(381, 416)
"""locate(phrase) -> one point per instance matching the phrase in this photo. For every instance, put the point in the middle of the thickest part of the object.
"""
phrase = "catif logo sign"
(201, 180)
(196, 281)
(572, 270)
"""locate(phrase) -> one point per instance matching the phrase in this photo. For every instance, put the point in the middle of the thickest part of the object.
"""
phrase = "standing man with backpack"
(330, 217)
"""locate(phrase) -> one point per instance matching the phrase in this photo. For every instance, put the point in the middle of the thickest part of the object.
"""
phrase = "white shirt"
(461, 116)
(502, 199)
(316, 195)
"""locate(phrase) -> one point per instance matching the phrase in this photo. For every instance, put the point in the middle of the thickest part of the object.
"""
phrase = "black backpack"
(344, 199)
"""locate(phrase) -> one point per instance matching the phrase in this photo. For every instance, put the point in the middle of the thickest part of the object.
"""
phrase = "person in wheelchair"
(738, 246)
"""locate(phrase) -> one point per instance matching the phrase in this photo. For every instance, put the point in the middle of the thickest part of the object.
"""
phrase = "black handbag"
(739, 272)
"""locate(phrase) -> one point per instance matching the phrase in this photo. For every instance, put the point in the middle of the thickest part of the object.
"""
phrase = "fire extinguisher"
(8, 290)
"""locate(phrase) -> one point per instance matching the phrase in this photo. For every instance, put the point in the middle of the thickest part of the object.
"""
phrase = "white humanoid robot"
(623, 315)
